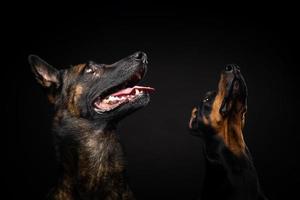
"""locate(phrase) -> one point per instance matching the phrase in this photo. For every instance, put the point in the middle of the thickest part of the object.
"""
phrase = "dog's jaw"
(119, 98)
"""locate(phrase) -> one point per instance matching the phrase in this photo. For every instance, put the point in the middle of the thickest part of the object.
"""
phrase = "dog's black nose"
(140, 56)
(229, 68)
(232, 67)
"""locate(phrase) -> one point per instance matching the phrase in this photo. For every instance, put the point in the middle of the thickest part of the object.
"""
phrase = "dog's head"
(222, 112)
(97, 92)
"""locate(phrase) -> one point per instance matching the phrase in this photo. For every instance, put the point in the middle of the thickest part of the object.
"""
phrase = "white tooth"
(122, 98)
(114, 98)
(137, 91)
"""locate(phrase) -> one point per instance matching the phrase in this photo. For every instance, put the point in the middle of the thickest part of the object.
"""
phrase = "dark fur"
(91, 158)
(219, 120)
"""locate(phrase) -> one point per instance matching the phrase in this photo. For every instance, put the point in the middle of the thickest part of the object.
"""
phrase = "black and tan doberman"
(219, 119)
(89, 100)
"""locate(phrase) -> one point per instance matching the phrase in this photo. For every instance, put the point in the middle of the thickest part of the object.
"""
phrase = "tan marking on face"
(229, 128)
(205, 120)
(77, 69)
(215, 116)
(78, 92)
(74, 96)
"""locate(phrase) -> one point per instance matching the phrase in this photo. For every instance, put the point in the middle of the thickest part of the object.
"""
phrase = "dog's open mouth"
(121, 97)
(126, 92)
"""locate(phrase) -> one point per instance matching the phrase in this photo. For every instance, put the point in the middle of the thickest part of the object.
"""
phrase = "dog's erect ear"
(44, 73)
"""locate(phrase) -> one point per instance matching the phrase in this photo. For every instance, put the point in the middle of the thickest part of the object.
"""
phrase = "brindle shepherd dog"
(89, 101)
(219, 120)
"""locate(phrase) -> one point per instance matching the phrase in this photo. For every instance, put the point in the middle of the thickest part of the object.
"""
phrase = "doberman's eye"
(206, 99)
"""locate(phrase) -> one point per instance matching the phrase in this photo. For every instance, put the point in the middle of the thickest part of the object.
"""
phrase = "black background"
(187, 47)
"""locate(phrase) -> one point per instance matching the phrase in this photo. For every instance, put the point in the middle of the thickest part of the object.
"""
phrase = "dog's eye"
(90, 69)
(206, 99)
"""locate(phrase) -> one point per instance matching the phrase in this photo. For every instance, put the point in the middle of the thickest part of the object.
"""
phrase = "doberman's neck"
(227, 147)
(232, 135)
(92, 162)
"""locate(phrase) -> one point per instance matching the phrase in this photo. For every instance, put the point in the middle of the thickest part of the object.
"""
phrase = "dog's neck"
(91, 157)
(232, 135)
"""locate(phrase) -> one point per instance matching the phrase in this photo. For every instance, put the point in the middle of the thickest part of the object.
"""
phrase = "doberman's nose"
(228, 68)
(231, 67)
(140, 56)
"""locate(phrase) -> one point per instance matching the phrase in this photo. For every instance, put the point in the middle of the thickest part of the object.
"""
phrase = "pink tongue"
(129, 90)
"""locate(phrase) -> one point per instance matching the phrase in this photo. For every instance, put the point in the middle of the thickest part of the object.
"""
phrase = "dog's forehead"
(76, 69)
(70, 75)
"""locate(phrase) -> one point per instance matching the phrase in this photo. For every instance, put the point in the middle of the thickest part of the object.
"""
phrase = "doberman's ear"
(44, 73)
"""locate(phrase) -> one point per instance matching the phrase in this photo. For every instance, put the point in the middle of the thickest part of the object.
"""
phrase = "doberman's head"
(98, 93)
(222, 112)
